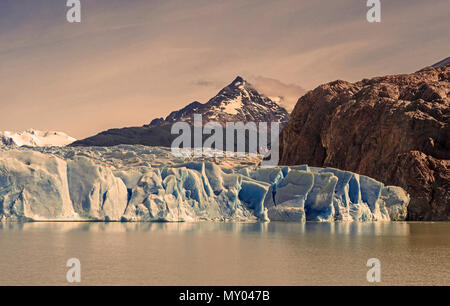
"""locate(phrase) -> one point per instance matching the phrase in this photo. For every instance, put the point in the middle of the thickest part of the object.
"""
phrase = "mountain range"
(393, 128)
(237, 102)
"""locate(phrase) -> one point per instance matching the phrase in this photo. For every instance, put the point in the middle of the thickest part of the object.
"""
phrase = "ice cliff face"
(136, 183)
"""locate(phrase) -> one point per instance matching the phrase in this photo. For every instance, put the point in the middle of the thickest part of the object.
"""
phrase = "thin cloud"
(205, 83)
(273, 88)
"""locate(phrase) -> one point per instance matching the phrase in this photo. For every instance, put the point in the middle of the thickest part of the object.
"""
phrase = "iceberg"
(145, 184)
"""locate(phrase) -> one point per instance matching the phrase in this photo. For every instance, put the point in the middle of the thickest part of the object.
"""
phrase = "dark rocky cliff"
(393, 128)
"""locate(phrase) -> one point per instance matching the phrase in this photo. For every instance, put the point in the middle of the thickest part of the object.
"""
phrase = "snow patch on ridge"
(35, 138)
(232, 106)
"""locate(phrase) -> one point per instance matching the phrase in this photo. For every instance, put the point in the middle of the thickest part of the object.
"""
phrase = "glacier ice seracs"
(138, 183)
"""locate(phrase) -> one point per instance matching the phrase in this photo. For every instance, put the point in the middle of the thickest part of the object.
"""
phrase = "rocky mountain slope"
(35, 138)
(146, 135)
(238, 102)
(442, 63)
(393, 128)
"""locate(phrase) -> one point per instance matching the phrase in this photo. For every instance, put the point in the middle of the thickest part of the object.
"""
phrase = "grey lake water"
(225, 253)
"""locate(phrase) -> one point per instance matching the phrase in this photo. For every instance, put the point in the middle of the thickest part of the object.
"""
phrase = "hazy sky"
(131, 61)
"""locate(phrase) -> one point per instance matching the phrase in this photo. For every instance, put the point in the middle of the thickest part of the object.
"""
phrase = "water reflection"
(207, 253)
(350, 228)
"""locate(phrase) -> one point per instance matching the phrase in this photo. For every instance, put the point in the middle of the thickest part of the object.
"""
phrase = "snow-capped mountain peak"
(35, 138)
(239, 101)
(239, 82)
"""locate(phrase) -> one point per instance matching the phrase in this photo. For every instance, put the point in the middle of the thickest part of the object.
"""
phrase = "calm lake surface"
(225, 253)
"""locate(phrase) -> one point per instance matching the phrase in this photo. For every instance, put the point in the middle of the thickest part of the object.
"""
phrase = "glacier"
(145, 184)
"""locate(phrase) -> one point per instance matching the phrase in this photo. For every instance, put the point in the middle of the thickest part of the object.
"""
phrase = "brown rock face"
(394, 129)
